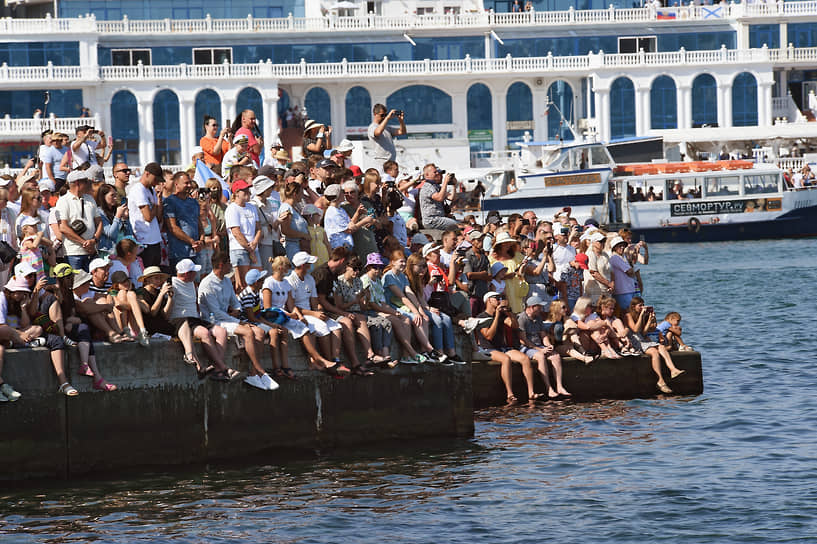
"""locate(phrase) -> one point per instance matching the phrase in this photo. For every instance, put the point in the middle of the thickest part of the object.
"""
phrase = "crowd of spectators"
(314, 252)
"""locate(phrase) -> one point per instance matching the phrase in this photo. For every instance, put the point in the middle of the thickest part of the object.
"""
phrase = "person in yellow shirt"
(506, 251)
(320, 243)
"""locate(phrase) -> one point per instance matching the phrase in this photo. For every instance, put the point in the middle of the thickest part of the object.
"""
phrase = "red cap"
(581, 258)
(356, 171)
(240, 185)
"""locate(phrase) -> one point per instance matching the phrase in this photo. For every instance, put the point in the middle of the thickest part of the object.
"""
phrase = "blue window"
(704, 101)
(318, 105)
(480, 118)
(358, 107)
(250, 99)
(166, 132)
(697, 41)
(39, 53)
(125, 132)
(622, 109)
(663, 103)
(207, 103)
(802, 34)
(519, 105)
(764, 34)
(561, 95)
(423, 105)
(180, 9)
(283, 106)
(21, 104)
(744, 100)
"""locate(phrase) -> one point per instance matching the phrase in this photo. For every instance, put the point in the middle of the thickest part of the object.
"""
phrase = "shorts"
(530, 352)
(321, 328)
(229, 326)
(241, 257)
(192, 321)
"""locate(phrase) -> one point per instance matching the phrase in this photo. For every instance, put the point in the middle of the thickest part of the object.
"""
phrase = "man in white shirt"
(80, 224)
(243, 231)
(563, 255)
(380, 135)
(144, 209)
(51, 156)
(83, 149)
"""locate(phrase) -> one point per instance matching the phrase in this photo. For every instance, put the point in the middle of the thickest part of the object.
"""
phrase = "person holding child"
(641, 322)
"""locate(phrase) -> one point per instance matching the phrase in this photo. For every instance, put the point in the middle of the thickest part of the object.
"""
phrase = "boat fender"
(694, 224)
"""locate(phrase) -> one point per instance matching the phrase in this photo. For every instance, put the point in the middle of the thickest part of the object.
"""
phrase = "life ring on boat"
(694, 224)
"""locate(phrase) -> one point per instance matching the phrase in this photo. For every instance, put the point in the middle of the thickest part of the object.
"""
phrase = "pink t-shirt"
(252, 140)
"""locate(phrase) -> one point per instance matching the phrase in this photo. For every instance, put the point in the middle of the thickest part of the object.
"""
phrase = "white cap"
(76, 175)
(98, 263)
(430, 248)
(597, 237)
(311, 209)
(186, 265)
(302, 257)
(253, 275)
(29, 220)
(46, 185)
(616, 241)
(239, 137)
(489, 294)
(23, 269)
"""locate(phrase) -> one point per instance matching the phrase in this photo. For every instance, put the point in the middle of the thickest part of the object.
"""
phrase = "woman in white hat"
(317, 138)
(506, 251)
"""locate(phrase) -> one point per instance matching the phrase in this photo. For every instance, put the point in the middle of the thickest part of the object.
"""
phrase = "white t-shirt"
(184, 299)
(145, 233)
(562, 257)
(335, 223)
(279, 289)
(302, 290)
(269, 215)
(5, 319)
(245, 218)
(85, 153)
(71, 207)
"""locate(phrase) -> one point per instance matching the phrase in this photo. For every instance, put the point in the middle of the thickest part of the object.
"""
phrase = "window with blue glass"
(21, 104)
(40, 53)
(283, 106)
(250, 99)
(519, 108)
(560, 94)
(423, 105)
(697, 41)
(622, 109)
(318, 105)
(663, 103)
(480, 118)
(125, 128)
(358, 107)
(802, 34)
(180, 9)
(166, 130)
(704, 101)
(764, 34)
(744, 100)
(207, 103)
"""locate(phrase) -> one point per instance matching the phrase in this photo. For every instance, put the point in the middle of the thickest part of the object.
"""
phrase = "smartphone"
(51, 280)
(650, 309)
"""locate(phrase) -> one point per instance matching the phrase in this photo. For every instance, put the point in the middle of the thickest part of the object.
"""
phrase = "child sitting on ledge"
(669, 333)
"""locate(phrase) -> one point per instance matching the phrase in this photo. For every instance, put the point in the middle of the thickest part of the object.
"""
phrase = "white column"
(489, 45)
(719, 100)
(271, 118)
(684, 106)
(642, 117)
(337, 97)
(186, 132)
(725, 92)
(603, 114)
(784, 35)
(228, 112)
(459, 114)
(147, 147)
(499, 117)
(540, 120)
(764, 104)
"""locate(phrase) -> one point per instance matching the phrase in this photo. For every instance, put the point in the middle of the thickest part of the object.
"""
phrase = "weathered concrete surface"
(163, 415)
(627, 378)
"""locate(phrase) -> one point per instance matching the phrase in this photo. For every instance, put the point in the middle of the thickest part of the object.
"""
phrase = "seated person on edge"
(127, 311)
(97, 314)
(217, 299)
(564, 334)
(618, 332)
(184, 316)
(537, 345)
(641, 322)
(669, 333)
(500, 336)
(593, 331)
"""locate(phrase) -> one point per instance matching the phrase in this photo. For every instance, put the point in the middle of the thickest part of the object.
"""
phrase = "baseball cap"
(356, 171)
(597, 237)
(46, 185)
(326, 163)
(332, 190)
(95, 173)
(23, 269)
(186, 265)
(302, 257)
(240, 185)
(29, 220)
(75, 176)
(581, 258)
(431, 247)
(475, 234)
(490, 294)
(534, 301)
(63, 269)
(494, 220)
(419, 238)
(253, 275)
(99, 262)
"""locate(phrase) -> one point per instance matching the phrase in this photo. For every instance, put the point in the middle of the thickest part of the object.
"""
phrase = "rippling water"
(736, 464)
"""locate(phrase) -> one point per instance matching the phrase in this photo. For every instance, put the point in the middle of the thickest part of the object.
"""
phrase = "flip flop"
(203, 373)
(84, 370)
(287, 373)
(102, 385)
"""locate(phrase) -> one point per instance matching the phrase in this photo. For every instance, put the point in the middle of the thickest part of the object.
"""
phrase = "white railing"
(785, 109)
(34, 127)
(333, 23)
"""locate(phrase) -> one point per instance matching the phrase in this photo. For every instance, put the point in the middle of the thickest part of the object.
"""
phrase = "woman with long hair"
(294, 228)
(506, 251)
(114, 216)
(563, 334)
(442, 328)
(641, 322)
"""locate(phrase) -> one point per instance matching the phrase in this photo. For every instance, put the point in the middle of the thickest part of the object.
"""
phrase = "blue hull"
(795, 224)
(509, 205)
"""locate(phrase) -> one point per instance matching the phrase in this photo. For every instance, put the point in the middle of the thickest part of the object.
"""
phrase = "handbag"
(78, 225)
(442, 301)
(7, 253)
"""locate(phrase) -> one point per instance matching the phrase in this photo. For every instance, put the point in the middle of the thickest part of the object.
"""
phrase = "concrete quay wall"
(163, 415)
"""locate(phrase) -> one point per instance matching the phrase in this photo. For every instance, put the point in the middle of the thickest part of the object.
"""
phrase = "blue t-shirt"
(401, 281)
(663, 327)
(186, 213)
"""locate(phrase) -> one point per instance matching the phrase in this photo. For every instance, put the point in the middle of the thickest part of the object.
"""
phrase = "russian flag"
(663, 15)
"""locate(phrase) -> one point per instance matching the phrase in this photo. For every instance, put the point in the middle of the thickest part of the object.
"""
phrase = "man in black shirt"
(499, 334)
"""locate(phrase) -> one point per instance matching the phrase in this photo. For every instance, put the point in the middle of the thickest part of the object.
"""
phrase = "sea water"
(735, 464)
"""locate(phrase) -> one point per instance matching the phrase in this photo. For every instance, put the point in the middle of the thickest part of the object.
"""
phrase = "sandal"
(67, 390)
(360, 370)
(675, 373)
(511, 399)
(536, 396)
(189, 359)
(287, 373)
(232, 374)
(202, 373)
(664, 388)
(219, 376)
(278, 372)
(102, 385)
(85, 370)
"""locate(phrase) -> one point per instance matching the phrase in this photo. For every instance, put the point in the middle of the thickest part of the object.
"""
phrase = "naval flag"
(203, 173)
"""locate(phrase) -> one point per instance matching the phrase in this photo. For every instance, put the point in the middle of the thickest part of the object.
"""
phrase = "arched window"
(207, 103)
(166, 133)
(358, 107)
(318, 106)
(744, 101)
(704, 101)
(622, 109)
(663, 103)
(125, 132)
(250, 99)
(480, 119)
(519, 105)
(560, 94)
(422, 104)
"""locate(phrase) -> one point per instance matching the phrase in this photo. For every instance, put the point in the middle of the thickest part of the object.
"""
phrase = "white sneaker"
(269, 383)
(37, 342)
(481, 354)
(9, 393)
(255, 381)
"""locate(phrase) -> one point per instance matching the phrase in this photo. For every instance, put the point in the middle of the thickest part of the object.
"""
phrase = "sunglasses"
(124, 170)
(500, 297)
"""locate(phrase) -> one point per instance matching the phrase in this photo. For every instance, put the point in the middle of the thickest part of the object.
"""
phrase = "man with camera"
(381, 136)
(80, 223)
(83, 148)
(433, 195)
(182, 220)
